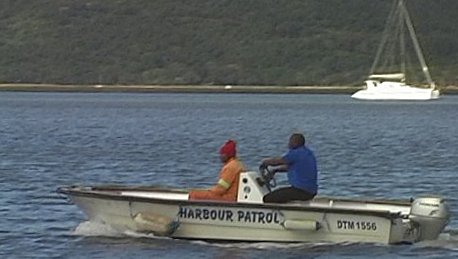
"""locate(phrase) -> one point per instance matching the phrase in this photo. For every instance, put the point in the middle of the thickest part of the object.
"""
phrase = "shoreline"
(240, 89)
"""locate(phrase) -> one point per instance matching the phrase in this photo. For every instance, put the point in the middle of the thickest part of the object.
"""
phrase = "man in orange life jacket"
(227, 186)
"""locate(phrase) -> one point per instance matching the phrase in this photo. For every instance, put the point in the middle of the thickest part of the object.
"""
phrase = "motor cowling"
(432, 214)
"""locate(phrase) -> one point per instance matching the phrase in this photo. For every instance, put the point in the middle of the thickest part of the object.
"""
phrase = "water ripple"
(364, 149)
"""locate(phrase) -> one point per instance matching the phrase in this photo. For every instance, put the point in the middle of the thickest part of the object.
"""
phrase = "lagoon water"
(364, 149)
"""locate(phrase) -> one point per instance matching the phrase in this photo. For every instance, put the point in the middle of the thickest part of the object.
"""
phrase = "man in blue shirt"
(300, 164)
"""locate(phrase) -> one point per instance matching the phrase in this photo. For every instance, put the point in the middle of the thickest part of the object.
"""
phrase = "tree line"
(237, 42)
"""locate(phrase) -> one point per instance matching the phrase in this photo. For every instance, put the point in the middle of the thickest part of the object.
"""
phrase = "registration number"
(356, 225)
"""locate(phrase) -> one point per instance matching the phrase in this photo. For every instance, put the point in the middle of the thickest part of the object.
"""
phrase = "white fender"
(296, 224)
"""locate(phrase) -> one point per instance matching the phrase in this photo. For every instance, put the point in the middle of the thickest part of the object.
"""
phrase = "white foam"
(448, 240)
(134, 234)
(262, 245)
(89, 228)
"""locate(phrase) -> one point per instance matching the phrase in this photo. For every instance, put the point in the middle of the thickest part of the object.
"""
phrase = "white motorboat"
(388, 75)
(168, 212)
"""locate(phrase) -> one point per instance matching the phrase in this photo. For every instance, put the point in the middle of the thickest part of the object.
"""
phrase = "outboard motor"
(432, 214)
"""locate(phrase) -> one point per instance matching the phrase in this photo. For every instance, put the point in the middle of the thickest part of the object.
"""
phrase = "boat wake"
(97, 229)
(447, 240)
(263, 245)
(94, 229)
(91, 229)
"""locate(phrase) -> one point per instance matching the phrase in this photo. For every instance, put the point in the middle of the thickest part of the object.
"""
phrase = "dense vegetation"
(262, 42)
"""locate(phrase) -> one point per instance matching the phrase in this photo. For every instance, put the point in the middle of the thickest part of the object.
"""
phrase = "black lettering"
(247, 216)
(206, 213)
(221, 214)
(269, 217)
(276, 219)
(254, 216)
(190, 214)
(182, 213)
(198, 214)
(358, 225)
(240, 215)
(351, 225)
(213, 214)
(261, 218)
(347, 224)
(229, 215)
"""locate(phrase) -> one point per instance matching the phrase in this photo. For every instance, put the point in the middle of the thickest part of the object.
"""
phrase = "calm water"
(364, 149)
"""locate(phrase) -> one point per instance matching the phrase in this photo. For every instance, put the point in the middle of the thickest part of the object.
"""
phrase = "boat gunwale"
(121, 188)
(102, 193)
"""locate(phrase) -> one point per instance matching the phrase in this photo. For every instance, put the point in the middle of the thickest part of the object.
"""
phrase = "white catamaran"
(387, 78)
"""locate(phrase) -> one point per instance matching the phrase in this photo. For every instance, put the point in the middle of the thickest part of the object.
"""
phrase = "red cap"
(228, 149)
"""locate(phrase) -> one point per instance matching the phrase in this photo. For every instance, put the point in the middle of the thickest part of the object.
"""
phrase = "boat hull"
(169, 212)
(322, 220)
(395, 91)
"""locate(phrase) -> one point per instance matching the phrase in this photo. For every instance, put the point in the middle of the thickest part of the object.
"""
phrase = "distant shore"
(194, 89)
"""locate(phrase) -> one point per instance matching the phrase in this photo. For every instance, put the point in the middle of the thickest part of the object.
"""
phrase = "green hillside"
(249, 42)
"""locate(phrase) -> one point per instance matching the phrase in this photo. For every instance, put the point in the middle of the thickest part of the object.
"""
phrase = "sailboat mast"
(416, 44)
(402, 42)
(385, 37)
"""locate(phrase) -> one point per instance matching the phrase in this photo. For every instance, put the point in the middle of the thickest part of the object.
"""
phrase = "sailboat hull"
(395, 91)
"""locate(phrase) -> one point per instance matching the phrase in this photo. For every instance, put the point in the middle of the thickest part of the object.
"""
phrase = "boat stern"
(431, 214)
(435, 94)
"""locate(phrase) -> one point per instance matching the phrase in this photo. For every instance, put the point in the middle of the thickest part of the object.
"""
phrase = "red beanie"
(228, 149)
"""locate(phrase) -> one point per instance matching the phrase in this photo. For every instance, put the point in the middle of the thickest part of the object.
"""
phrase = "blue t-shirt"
(302, 169)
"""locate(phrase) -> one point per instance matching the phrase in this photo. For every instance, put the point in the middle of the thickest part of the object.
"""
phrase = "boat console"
(252, 188)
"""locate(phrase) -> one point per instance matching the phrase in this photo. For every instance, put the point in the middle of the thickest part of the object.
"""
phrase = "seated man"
(300, 163)
(227, 187)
